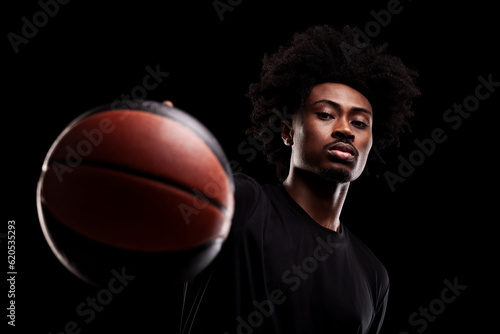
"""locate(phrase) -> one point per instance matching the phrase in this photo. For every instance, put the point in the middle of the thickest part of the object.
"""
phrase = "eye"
(324, 115)
(359, 124)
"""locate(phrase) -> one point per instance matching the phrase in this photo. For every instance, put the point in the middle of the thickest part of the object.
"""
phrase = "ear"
(287, 133)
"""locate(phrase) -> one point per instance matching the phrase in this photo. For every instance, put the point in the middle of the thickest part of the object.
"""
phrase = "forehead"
(341, 94)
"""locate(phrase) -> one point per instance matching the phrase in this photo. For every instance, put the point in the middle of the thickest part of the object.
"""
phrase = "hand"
(168, 103)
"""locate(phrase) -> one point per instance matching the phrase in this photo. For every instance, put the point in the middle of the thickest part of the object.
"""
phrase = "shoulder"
(247, 191)
(242, 181)
(249, 198)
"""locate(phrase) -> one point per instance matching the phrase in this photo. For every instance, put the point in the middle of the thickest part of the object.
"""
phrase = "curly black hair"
(323, 54)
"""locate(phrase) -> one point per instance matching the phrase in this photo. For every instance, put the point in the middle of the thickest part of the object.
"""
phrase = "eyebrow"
(336, 105)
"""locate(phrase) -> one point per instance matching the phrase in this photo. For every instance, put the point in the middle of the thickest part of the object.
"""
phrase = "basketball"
(146, 188)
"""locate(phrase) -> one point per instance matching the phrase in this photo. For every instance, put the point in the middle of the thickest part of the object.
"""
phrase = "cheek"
(305, 142)
(315, 132)
(364, 150)
(369, 143)
(310, 153)
(310, 138)
(365, 147)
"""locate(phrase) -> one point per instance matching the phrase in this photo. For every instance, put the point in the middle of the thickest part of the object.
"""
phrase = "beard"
(334, 175)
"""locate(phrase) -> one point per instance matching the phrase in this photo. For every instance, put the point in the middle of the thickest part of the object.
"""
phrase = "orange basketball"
(147, 187)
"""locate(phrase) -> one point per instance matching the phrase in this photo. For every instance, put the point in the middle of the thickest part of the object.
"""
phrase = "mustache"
(344, 141)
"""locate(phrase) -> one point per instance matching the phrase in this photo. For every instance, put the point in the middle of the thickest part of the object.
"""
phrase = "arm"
(377, 322)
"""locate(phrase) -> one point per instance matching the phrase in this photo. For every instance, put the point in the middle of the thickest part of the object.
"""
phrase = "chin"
(336, 175)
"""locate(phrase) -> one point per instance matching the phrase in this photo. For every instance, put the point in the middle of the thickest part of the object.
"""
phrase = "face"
(332, 135)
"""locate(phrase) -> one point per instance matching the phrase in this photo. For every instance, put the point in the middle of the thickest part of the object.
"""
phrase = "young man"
(289, 265)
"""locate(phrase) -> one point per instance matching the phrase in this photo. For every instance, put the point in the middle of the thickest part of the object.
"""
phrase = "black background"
(439, 224)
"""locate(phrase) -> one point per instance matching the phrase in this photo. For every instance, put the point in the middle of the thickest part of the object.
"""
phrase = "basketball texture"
(147, 187)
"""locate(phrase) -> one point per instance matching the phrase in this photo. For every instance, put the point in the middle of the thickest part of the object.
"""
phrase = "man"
(289, 264)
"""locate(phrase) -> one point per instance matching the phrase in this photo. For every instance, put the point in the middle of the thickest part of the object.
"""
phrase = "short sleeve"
(247, 195)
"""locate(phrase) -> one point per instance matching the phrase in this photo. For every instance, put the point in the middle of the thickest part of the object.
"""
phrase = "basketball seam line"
(194, 192)
(177, 115)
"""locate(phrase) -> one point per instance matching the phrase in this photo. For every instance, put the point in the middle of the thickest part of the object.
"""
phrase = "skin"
(319, 178)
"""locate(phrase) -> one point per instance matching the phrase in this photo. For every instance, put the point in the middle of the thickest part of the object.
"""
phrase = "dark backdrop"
(437, 225)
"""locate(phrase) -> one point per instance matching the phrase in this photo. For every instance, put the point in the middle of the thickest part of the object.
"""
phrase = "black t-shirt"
(281, 272)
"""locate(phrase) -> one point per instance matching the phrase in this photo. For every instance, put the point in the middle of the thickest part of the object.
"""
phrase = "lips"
(342, 151)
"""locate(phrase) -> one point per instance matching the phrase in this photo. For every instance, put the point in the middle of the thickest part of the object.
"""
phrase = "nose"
(343, 130)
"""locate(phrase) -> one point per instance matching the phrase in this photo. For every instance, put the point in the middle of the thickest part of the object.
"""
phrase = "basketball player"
(289, 264)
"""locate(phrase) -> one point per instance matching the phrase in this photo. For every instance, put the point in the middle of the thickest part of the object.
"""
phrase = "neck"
(322, 200)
